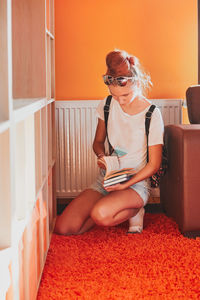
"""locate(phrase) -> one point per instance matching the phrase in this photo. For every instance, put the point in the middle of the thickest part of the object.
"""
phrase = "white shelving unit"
(5, 186)
(27, 144)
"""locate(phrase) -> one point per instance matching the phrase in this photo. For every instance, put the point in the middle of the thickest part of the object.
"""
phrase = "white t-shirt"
(127, 133)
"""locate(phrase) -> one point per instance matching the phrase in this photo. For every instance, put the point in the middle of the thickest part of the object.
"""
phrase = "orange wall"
(162, 33)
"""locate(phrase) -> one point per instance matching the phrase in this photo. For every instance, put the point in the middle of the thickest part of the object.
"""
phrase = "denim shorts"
(142, 187)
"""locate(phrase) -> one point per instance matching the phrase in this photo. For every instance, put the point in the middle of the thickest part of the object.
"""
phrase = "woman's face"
(124, 94)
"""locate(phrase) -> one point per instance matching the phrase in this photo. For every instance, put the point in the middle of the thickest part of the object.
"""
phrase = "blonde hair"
(120, 63)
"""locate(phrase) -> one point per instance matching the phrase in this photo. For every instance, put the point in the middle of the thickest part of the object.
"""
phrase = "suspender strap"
(147, 125)
(106, 114)
(106, 110)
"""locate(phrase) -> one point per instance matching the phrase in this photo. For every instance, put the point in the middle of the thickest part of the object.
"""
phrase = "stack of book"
(114, 174)
(118, 177)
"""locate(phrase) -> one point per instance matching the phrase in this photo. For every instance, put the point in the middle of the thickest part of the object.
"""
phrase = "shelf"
(27, 143)
(53, 132)
(49, 119)
(4, 125)
(5, 188)
(38, 151)
(50, 16)
(50, 46)
(52, 199)
(45, 217)
(5, 259)
(18, 229)
(50, 202)
(20, 170)
(52, 69)
(50, 101)
(47, 14)
(25, 107)
(48, 69)
(30, 161)
(19, 226)
(4, 74)
(54, 191)
(44, 135)
(24, 167)
(29, 52)
(52, 27)
(5, 254)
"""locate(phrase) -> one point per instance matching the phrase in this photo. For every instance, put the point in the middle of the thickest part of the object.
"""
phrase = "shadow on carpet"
(108, 263)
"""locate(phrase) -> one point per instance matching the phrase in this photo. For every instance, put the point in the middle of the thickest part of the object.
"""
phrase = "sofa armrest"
(180, 187)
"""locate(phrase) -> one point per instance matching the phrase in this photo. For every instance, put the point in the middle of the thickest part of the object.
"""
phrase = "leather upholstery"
(193, 104)
(180, 187)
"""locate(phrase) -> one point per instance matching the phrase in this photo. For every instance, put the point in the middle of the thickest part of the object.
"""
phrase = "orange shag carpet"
(107, 263)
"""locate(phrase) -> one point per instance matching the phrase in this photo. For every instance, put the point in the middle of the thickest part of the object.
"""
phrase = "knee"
(100, 216)
(60, 230)
(64, 229)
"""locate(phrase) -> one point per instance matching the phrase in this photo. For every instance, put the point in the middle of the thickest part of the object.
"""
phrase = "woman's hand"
(100, 164)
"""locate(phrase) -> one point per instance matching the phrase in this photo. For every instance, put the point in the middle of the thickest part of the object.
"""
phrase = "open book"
(114, 174)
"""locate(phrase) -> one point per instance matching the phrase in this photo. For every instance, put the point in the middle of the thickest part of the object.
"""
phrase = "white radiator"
(76, 166)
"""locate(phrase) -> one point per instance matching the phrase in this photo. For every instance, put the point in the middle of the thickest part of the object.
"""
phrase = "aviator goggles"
(120, 80)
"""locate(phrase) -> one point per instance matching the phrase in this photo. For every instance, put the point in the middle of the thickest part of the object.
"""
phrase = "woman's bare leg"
(117, 207)
(75, 219)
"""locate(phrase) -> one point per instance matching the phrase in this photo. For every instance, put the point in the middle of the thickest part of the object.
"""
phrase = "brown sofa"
(180, 187)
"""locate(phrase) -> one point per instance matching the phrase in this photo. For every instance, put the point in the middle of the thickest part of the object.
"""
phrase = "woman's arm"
(155, 157)
(100, 136)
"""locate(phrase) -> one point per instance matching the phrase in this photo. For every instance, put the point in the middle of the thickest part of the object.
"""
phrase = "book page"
(116, 173)
(111, 163)
(113, 170)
